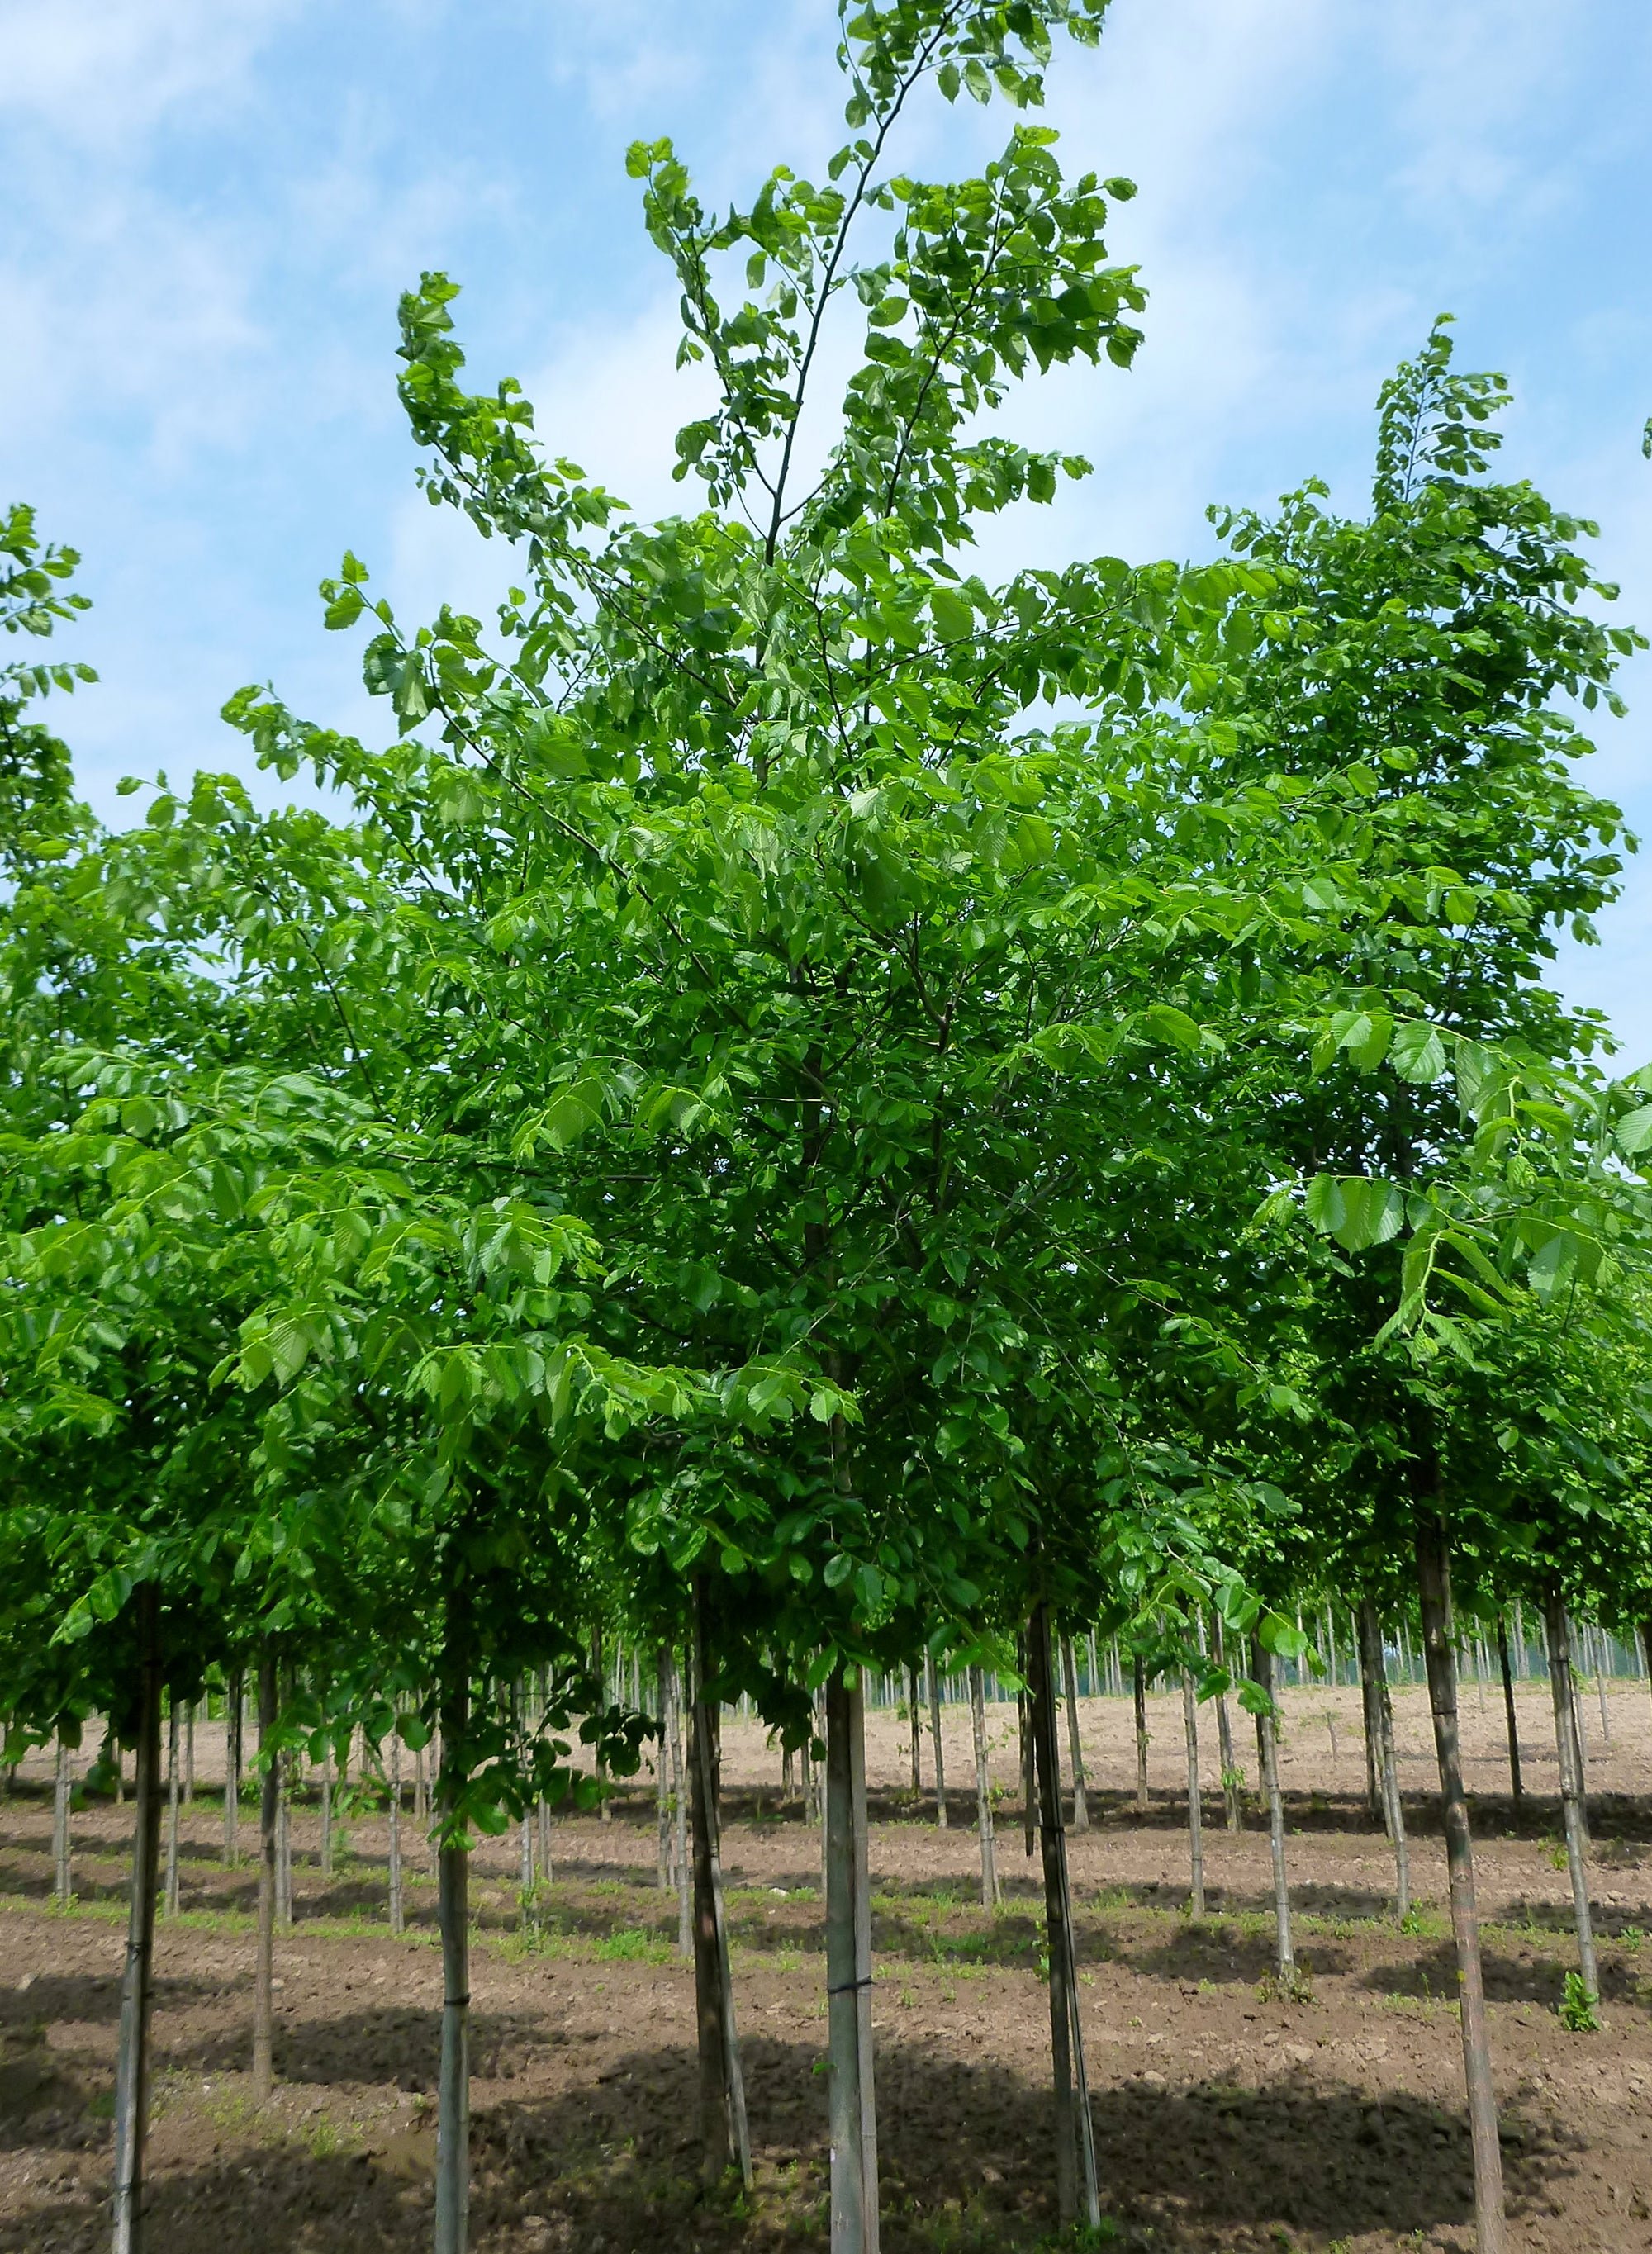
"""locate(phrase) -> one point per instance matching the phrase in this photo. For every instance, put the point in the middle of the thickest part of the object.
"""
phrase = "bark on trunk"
(1139, 1684)
(263, 2068)
(1195, 1811)
(172, 1786)
(915, 1720)
(982, 1790)
(1230, 1781)
(1509, 1715)
(235, 1697)
(679, 1795)
(1370, 1631)
(934, 1741)
(131, 2077)
(1374, 1673)
(1268, 1751)
(1433, 1581)
(662, 1778)
(724, 2138)
(1074, 1740)
(61, 1874)
(1024, 1720)
(395, 1826)
(1075, 2136)
(854, 2151)
(452, 1867)
(1571, 1794)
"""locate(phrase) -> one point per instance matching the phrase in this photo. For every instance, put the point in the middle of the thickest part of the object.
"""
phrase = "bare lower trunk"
(1433, 1579)
(1074, 1740)
(235, 1697)
(1075, 2136)
(914, 1717)
(1195, 1811)
(137, 1983)
(173, 1782)
(1138, 1685)
(62, 1886)
(679, 1795)
(452, 1873)
(983, 1791)
(1366, 1623)
(1268, 1752)
(1571, 1788)
(326, 1815)
(854, 2221)
(1231, 1787)
(264, 2067)
(1380, 1708)
(661, 1774)
(1024, 1722)
(189, 1754)
(934, 1741)
(724, 2138)
(1509, 1717)
(395, 1827)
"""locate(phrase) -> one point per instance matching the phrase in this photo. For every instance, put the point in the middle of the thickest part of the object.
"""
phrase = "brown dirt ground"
(1224, 2121)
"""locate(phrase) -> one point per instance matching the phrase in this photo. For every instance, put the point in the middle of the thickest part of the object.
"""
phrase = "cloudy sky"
(210, 206)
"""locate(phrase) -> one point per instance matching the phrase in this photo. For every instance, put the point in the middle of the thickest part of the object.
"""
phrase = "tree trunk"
(1509, 1716)
(1138, 1685)
(395, 1825)
(680, 1799)
(172, 1786)
(1268, 1752)
(1433, 1580)
(326, 1815)
(723, 2131)
(1024, 1721)
(1571, 1794)
(1231, 1787)
(854, 2157)
(1075, 2133)
(61, 1875)
(604, 1811)
(661, 1774)
(915, 1719)
(189, 1754)
(137, 1983)
(1195, 1810)
(233, 1697)
(934, 1741)
(1373, 1674)
(264, 2067)
(1371, 1642)
(452, 1871)
(1074, 1740)
(982, 1790)
(1597, 1639)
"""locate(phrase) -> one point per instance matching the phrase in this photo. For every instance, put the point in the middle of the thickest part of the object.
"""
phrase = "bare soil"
(1224, 2121)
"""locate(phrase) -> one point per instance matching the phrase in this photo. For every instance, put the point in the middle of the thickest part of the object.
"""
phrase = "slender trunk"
(1268, 1752)
(1024, 1721)
(934, 1741)
(605, 1812)
(1074, 1740)
(326, 1815)
(680, 1800)
(1571, 1794)
(233, 1702)
(1074, 2135)
(1230, 1780)
(61, 1875)
(915, 1719)
(1433, 1580)
(189, 1754)
(854, 2158)
(1370, 1637)
(723, 2131)
(1373, 1674)
(137, 1984)
(982, 1790)
(395, 1825)
(173, 1785)
(264, 2066)
(452, 1871)
(662, 1781)
(1509, 1716)
(1139, 1684)
(1599, 1640)
(1195, 1810)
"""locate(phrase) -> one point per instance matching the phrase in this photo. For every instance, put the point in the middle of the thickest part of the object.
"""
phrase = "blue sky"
(211, 206)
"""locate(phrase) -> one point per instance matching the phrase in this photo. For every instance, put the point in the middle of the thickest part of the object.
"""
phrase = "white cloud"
(102, 73)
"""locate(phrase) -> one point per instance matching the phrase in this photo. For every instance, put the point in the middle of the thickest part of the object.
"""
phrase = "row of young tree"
(821, 1112)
